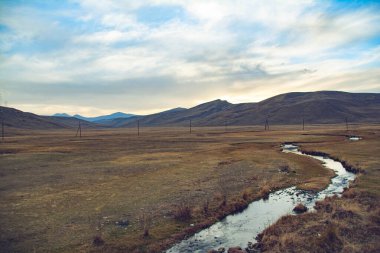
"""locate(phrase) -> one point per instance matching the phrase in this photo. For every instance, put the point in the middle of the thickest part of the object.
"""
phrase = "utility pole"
(138, 128)
(346, 124)
(190, 127)
(266, 125)
(79, 130)
(2, 129)
(2, 113)
(303, 123)
(225, 126)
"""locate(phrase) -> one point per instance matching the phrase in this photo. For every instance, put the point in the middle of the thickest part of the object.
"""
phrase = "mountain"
(100, 119)
(61, 115)
(123, 122)
(18, 119)
(319, 107)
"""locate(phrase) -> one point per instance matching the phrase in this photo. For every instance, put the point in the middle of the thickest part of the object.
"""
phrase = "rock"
(300, 208)
(221, 250)
(252, 248)
(284, 169)
(235, 250)
(122, 223)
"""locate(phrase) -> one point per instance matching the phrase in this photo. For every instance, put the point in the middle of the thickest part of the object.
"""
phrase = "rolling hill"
(19, 119)
(322, 107)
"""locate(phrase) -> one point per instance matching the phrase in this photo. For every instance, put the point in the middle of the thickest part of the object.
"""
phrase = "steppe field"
(115, 191)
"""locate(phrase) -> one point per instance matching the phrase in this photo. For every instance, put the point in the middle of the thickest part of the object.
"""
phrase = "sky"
(95, 57)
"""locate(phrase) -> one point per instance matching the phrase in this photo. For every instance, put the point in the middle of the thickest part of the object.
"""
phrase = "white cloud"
(242, 50)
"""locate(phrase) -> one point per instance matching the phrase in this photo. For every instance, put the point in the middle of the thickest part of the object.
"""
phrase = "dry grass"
(333, 228)
(347, 224)
(58, 192)
(182, 212)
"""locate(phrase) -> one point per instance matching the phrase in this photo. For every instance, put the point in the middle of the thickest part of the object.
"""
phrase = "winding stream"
(241, 228)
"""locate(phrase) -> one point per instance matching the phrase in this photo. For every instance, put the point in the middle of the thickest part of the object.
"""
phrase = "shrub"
(205, 207)
(145, 220)
(264, 191)
(182, 212)
(247, 193)
(98, 241)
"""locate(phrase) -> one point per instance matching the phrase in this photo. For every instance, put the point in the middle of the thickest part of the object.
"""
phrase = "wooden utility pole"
(138, 128)
(266, 125)
(79, 130)
(190, 127)
(2, 130)
(303, 123)
(346, 124)
(225, 126)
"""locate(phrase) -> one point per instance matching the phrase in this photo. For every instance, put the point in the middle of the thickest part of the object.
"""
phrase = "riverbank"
(347, 224)
(239, 229)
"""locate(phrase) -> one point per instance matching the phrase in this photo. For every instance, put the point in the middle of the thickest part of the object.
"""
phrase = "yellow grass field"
(58, 192)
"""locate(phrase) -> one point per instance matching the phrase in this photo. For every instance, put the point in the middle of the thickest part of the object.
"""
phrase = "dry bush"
(206, 207)
(349, 193)
(328, 241)
(98, 241)
(264, 191)
(238, 205)
(223, 192)
(182, 211)
(145, 220)
(247, 194)
(324, 206)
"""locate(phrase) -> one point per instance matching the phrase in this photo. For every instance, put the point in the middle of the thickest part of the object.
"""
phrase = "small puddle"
(354, 138)
(239, 229)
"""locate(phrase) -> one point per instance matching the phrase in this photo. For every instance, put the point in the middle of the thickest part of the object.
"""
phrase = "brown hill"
(19, 119)
(322, 107)
(290, 108)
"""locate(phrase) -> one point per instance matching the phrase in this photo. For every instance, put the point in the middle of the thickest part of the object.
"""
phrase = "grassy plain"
(58, 192)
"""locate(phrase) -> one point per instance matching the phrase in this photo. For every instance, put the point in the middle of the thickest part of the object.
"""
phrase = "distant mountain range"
(98, 119)
(322, 107)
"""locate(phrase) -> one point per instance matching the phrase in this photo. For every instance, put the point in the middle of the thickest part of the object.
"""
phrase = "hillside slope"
(322, 107)
(290, 108)
(19, 119)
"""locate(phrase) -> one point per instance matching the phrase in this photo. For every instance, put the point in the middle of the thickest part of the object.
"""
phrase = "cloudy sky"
(94, 57)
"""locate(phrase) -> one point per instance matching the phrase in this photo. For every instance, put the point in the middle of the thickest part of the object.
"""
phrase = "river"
(241, 228)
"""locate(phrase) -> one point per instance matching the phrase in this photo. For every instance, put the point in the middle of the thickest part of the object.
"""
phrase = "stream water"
(239, 229)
